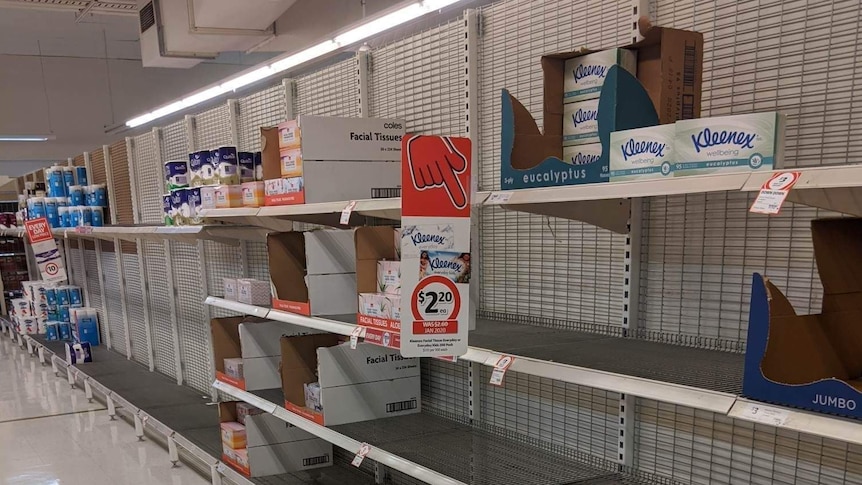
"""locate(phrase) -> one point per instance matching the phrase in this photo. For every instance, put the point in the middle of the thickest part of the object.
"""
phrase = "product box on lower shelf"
(296, 288)
(251, 345)
(811, 361)
(78, 353)
(266, 451)
(368, 382)
(373, 245)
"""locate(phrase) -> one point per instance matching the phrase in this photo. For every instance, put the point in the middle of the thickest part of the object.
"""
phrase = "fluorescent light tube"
(26, 137)
(352, 36)
(381, 24)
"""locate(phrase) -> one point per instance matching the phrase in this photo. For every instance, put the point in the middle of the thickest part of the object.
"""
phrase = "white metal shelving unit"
(612, 295)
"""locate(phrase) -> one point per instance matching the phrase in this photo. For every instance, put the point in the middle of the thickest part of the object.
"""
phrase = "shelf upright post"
(169, 276)
(118, 249)
(102, 280)
(640, 8)
(289, 86)
(631, 305)
(233, 112)
(142, 267)
(363, 93)
(472, 32)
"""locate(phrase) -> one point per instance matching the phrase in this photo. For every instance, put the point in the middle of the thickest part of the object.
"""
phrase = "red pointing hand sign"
(436, 161)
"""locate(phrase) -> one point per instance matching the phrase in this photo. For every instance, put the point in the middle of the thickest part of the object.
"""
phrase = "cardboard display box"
(361, 384)
(374, 244)
(323, 159)
(303, 452)
(667, 89)
(811, 361)
(255, 341)
(295, 286)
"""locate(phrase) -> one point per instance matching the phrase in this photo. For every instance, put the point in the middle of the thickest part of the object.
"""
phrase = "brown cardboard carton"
(374, 244)
(812, 361)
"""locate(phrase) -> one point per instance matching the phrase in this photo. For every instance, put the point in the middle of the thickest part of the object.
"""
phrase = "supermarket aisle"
(50, 434)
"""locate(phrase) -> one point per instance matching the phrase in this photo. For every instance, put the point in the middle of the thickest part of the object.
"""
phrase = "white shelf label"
(499, 198)
(364, 449)
(354, 337)
(764, 414)
(345, 214)
(500, 369)
(773, 192)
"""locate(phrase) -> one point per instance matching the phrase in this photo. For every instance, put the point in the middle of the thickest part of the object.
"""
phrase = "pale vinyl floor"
(51, 435)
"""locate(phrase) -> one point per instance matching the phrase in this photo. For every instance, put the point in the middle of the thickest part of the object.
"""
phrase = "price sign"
(45, 250)
(364, 449)
(435, 245)
(764, 414)
(773, 192)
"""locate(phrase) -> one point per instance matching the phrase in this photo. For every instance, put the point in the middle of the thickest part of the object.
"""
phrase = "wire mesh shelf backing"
(135, 308)
(330, 91)
(94, 287)
(159, 296)
(194, 328)
(549, 269)
(421, 79)
(796, 57)
(113, 301)
(700, 447)
(149, 180)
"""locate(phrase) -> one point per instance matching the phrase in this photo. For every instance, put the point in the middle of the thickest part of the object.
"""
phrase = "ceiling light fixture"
(352, 36)
(26, 137)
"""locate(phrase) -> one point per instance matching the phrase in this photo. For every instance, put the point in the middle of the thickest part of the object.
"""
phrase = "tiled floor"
(51, 435)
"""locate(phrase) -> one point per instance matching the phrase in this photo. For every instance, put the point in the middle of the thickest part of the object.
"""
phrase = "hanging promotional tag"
(48, 258)
(435, 245)
(364, 449)
(345, 214)
(500, 368)
(354, 337)
(773, 192)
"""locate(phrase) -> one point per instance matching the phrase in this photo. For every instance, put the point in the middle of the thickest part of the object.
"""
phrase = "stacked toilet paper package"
(56, 311)
(248, 290)
(211, 179)
(69, 200)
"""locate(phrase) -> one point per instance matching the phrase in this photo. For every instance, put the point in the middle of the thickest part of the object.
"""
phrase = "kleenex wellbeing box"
(642, 153)
(585, 75)
(729, 144)
(580, 123)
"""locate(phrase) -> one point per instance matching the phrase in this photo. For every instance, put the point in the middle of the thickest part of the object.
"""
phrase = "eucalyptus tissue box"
(581, 122)
(642, 153)
(729, 144)
(585, 75)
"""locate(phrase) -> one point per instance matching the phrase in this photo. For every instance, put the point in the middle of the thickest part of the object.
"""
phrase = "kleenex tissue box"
(389, 277)
(642, 153)
(585, 75)
(253, 292)
(312, 396)
(729, 144)
(580, 122)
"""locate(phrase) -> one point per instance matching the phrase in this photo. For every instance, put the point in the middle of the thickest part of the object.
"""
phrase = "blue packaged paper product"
(78, 353)
(168, 210)
(81, 176)
(54, 184)
(63, 297)
(246, 167)
(51, 296)
(36, 207)
(76, 195)
(96, 195)
(74, 216)
(179, 199)
(227, 166)
(86, 216)
(202, 170)
(97, 216)
(51, 211)
(176, 174)
(65, 316)
(52, 331)
(65, 330)
(76, 299)
(68, 179)
(88, 330)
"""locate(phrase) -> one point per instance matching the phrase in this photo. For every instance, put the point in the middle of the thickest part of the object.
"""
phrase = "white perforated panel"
(263, 108)
(149, 180)
(330, 91)
(113, 301)
(535, 268)
(135, 308)
(94, 288)
(194, 328)
(421, 80)
(159, 297)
